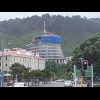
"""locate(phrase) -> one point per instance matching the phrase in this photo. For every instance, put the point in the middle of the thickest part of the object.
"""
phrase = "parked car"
(68, 83)
(98, 79)
(19, 84)
(60, 80)
(72, 81)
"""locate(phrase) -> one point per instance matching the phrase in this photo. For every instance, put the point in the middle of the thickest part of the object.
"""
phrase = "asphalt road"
(57, 84)
(52, 84)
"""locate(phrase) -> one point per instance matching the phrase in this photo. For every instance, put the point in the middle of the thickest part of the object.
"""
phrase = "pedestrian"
(89, 84)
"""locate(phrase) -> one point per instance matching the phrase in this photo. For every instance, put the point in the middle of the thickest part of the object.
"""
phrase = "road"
(52, 84)
(57, 84)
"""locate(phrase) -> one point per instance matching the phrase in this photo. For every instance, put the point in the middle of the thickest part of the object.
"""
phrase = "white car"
(19, 84)
(68, 83)
(60, 80)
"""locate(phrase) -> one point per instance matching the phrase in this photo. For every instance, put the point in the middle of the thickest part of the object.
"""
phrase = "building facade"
(22, 57)
(67, 59)
(48, 47)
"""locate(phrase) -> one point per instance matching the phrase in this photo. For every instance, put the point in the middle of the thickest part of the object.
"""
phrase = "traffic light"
(85, 64)
(79, 65)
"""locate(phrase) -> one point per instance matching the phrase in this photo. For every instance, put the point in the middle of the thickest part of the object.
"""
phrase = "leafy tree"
(19, 70)
(90, 50)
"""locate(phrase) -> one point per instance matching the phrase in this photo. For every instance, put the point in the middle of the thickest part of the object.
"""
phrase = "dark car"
(98, 79)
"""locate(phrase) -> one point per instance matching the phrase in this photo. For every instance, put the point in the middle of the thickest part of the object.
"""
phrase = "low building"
(21, 56)
(67, 59)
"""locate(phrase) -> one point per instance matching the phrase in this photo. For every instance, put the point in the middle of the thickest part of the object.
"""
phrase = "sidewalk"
(79, 85)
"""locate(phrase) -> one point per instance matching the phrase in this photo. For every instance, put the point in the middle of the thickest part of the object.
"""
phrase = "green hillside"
(73, 30)
(67, 44)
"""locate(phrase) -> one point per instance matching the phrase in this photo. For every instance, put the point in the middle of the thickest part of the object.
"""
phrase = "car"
(68, 83)
(19, 84)
(60, 80)
(98, 79)
(72, 81)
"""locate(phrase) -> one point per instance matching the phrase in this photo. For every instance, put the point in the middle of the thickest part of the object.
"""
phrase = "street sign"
(78, 73)
(88, 72)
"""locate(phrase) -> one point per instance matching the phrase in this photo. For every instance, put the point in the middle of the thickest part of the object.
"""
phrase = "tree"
(19, 70)
(90, 50)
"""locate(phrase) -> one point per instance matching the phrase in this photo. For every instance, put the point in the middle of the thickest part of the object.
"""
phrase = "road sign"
(88, 72)
(78, 73)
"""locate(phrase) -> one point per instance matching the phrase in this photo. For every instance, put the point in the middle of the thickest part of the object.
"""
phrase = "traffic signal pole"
(92, 74)
(75, 74)
(81, 81)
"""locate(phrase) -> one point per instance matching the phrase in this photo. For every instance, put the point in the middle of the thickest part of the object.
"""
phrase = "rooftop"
(18, 53)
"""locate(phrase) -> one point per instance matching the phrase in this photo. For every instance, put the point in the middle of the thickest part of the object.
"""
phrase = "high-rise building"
(47, 45)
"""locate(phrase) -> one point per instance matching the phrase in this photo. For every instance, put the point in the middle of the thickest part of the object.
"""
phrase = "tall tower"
(47, 46)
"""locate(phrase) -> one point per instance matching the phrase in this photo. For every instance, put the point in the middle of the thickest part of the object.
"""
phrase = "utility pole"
(82, 75)
(92, 74)
(2, 57)
(75, 74)
(38, 68)
(50, 65)
(2, 63)
(81, 80)
(38, 63)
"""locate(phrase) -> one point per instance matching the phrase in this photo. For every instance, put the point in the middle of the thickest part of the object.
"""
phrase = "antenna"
(24, 15)
(44, 27)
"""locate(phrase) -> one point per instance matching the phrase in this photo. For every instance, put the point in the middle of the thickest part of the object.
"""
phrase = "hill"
(73, 30)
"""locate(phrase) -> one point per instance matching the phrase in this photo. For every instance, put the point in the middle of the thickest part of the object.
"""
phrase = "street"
(57, 84)
(52, 84)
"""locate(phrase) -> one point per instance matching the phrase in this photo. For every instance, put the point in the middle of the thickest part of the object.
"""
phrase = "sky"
(13, 15)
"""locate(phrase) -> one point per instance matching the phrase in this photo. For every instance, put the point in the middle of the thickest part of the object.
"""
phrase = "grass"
(96, 84)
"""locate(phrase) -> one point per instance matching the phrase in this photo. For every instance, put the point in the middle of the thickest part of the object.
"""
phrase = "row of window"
(40, 62)
(5, 64)
(18, 59)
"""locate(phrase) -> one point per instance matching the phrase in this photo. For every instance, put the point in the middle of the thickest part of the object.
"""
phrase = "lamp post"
(2, 74)
(2, 71)
(38, 69)
(38, 63)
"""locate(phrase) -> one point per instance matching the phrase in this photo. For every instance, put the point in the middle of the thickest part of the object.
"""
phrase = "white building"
(21, 56)
(67, 59)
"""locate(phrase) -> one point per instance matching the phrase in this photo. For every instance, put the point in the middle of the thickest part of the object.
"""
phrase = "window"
(0, 58)
(6, 58)
(6, 64)
(0, 64)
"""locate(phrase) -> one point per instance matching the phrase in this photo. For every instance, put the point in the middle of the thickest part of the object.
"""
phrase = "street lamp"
(2, 77)
(38, 65)
(2, 56)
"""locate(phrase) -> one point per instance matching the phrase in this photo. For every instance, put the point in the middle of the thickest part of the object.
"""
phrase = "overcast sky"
(13, 15)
